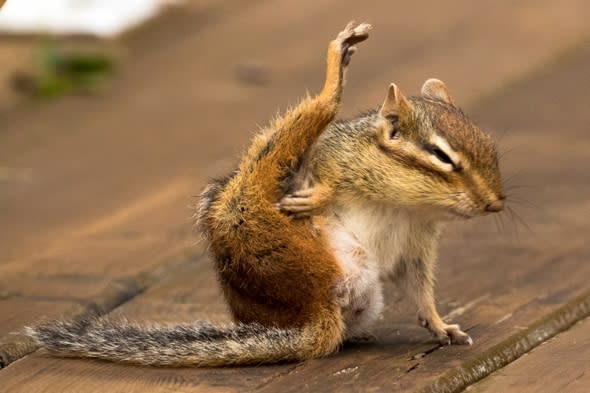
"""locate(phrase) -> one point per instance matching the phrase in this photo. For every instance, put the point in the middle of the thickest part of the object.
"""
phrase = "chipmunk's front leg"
(416, 275)
(305, 202)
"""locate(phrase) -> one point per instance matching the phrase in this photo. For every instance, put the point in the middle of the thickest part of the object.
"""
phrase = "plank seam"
(512, 348)
(114, 295)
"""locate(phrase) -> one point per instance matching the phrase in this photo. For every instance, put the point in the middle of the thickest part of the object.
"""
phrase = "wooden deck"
(94, 192)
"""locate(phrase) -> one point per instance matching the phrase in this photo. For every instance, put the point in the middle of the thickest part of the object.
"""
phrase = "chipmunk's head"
(437, 156)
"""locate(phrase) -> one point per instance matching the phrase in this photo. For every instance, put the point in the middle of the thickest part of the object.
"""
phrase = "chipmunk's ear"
(436, 89)
(396, 105)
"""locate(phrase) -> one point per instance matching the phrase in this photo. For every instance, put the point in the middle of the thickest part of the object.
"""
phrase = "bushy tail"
(197, 344)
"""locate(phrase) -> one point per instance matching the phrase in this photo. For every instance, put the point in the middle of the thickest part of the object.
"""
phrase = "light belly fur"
(367, 243)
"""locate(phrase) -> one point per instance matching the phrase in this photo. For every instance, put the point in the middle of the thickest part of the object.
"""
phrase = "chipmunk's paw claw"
(350, 36)
(446, 334)
(453, 335)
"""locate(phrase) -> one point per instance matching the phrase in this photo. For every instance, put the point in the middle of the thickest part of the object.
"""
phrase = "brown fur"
(274, 270)
(277, 273)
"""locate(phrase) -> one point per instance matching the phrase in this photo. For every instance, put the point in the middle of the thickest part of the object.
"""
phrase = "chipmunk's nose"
(495, 206)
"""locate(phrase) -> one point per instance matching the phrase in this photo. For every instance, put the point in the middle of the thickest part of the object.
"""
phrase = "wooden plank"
(117, 211)
(95, 222)
(17, 313)
(15, 345)
(127, 136)
(74, 271)
(184, 297)
(92, 221)
(560, 365)
(494, 283)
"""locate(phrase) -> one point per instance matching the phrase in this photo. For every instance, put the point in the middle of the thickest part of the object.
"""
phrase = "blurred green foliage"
(65, 71)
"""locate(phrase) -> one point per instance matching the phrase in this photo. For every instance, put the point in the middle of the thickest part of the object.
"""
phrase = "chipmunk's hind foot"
(350, 36)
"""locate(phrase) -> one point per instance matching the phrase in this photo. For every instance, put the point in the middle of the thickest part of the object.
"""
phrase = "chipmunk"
(317, 215)
(383, 184)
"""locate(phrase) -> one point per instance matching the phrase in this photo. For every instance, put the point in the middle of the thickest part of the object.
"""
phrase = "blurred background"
(102, 107)
(113, 115)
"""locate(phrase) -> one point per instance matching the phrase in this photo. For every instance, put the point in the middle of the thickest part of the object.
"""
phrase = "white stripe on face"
(444, 146)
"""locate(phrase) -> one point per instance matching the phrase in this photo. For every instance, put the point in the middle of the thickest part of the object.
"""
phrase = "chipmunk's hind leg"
(278, 150)
(207, 198)
(340, 52)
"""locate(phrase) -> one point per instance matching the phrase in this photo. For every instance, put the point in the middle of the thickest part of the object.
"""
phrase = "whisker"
(521, 201)
(498, 222)
(501, 219)
(514, 226)
(519, 219)
(516, 173)
(507, 151)
(500, 216)
(501, 136)
(512, 177)
(512, 187)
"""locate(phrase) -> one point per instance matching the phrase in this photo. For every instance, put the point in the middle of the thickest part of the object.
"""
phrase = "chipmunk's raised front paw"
(447, 334)
(350, 36)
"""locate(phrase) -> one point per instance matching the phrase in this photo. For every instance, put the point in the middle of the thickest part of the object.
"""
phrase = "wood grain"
(560, 365)
(98, 189)
(110, 179)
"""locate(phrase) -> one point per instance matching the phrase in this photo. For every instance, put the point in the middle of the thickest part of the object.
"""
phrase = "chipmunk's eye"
(442, 156)
(439, 154)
